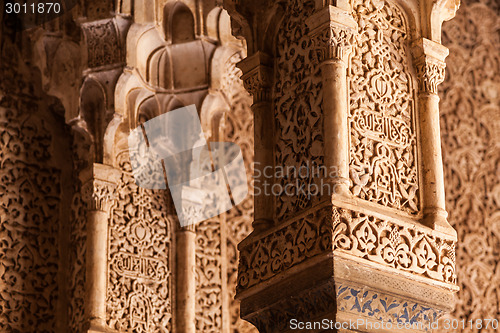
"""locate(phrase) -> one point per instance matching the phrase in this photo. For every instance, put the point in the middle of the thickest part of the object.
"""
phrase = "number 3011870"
(33, 8)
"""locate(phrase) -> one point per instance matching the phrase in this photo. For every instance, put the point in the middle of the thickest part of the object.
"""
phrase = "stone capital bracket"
(257, 75)
(332, 30)
(99, 184)
(429, 62)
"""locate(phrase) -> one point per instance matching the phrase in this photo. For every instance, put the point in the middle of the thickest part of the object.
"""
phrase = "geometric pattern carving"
(470, 118)
(139, 258)
(383, 161)
(297, 112)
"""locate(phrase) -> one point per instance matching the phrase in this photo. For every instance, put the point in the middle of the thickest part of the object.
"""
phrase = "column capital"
(428, 57)
(257, 75)
(99, 184)
(332, 30)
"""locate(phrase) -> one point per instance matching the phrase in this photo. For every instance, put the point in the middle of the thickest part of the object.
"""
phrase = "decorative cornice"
(384, 242)
(99, 186)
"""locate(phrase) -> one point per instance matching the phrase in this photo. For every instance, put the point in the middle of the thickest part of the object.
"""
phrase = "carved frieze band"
(380, 241)
(401, 247)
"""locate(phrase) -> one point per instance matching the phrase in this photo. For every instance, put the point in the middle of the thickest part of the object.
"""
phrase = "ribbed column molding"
(332, 30)
(257, 78)
(429, 63)
(99, 190)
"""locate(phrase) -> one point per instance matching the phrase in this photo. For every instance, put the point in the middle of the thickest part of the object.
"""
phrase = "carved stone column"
(257, 78)
(186, 279)
(332, 29)
(429, 59)
(362, 260)
(99, 185)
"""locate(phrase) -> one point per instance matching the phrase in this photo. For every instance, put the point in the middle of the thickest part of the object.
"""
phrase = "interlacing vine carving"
(383, 155)
(470, 120)
(139, 258)
(298, 121)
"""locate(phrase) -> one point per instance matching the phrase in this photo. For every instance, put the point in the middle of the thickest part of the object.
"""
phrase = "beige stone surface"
(404, 108)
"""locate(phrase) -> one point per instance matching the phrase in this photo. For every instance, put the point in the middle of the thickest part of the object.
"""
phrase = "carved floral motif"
(404, 248)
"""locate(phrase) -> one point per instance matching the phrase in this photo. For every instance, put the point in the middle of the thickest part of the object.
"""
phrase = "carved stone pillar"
(99, 185)
(345, 97)
(257, 78)
(332, 29)
(429, 59)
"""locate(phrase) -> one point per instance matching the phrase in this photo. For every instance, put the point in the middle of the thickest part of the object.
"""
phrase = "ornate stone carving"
(297, 108)
(30, 196)
(99, 194)
(333, 43)
(104, 45)
(391, 244)
(383, 166)
(258, 80)
(209, 286)
(394, 244)
(139, 295)
(288, 246)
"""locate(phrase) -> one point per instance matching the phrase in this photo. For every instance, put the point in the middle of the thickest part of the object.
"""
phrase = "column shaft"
(336, 130)
(97, 232)
(186, 281)
(263, 129)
